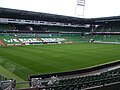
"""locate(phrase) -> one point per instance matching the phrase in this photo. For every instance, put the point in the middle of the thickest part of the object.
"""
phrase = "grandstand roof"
(108, 19)
(13, 13)
(22, 14)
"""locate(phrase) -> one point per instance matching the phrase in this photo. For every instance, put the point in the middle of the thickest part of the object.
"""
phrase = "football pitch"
(21, 61)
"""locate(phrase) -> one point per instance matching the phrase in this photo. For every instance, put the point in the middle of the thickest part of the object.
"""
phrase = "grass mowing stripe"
(15, 68)
(9, 74)
(56, 58)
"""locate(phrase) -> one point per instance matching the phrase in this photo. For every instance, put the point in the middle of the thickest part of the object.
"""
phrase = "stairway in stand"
(2, 43)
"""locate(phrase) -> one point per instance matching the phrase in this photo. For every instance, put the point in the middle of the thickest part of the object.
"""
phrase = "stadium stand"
(28, 28)
(82, 83)
(60, 29)
(108, 27)
(66, 29)
(27, 40)
(41, 38)
(75, 39)
(111, 38)
(106, 38)
(9, 39)
(2, 78)
(7, 84)
(5, 27)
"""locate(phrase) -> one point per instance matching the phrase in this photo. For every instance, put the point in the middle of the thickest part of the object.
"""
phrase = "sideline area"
(9, 74)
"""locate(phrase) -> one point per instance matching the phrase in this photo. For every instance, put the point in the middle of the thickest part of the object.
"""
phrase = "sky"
(92, 9)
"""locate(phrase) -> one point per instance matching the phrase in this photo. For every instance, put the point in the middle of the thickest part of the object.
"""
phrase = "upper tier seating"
(5, 27)
(66, 29)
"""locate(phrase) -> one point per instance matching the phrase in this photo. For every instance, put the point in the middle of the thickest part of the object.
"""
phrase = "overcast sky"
(93, 8)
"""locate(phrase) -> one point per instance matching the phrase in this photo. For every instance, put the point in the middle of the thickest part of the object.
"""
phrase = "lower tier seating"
(83, 82)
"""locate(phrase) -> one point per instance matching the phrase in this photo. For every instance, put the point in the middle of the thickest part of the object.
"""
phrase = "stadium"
(44, 51)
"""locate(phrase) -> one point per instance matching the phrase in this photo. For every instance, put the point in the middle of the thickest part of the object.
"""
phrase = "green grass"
(38, 59)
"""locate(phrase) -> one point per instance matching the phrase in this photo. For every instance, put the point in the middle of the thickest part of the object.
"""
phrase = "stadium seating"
(66, 29)
(28, 28)
(9, 39)
(84, 82)
(56, 38)
(7, 84)
(107, 38)
(76, 39)
(29, 40)
(15, 27)
(2, 78)
(40, 38)
(108, 28)
(112, 38)
(52, 39)
(5, 27)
